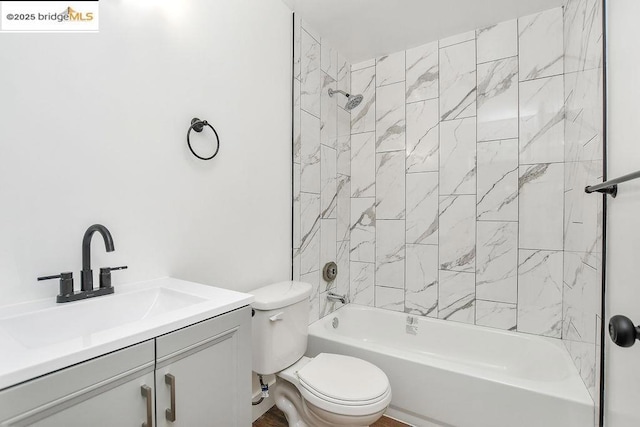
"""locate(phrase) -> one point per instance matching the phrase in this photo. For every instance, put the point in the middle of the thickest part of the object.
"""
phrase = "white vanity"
(159, 353)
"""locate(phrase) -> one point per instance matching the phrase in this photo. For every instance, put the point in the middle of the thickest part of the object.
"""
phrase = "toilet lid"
(343, 378)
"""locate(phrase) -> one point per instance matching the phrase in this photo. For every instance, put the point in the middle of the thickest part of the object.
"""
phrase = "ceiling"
(364, 29)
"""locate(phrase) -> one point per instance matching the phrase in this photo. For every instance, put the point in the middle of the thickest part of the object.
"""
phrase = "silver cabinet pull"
(147, 393)
(170, 380)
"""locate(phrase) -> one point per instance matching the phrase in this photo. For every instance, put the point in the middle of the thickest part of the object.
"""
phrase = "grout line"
(455, 44)
(439, 281)
(406, 207)
(458, 118)
(564, 169)
(475, 217)
(497, 302)
(302, 109)
(363, 68)
(375, 181)
(320, 279)
(421, 100)
(538, 78)
(293, 150)
(422, 244)
(543, 163)
(495, 60)
(421, 172)
(519, 198)
(457, 271)
(362, 133)
(389, 287)
(394, 83)
(542, 250)
(485, 141)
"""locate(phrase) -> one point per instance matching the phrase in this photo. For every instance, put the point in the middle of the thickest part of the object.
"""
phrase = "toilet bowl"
(332, 390)
(327, 390)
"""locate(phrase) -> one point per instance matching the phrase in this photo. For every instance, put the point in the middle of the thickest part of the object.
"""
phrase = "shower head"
(352, 100)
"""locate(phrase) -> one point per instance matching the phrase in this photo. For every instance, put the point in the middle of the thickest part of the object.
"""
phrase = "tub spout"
(344, 299)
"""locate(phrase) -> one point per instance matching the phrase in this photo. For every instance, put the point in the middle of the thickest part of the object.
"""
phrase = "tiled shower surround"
(456, 189)
(321, 166)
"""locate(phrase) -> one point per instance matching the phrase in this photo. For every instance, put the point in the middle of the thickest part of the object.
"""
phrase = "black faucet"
(67, 293)
(86, 279)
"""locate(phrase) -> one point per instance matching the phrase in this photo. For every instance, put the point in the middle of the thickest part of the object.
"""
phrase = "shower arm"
(331, 92)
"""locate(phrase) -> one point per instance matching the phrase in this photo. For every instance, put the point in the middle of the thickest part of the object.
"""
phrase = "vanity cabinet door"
(207, 368)
(102, 392)
(123, 405)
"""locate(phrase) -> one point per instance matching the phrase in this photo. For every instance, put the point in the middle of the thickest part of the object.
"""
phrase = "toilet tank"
(279, 325)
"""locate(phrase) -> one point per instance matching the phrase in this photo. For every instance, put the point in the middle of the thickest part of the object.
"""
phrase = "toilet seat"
(341, 384)
(343, 379)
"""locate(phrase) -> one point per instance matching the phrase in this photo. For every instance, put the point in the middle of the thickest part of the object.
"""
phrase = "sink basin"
(83, 321)
(40, 337)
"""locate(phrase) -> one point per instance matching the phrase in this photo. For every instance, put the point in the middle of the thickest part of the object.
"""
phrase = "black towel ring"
(198, 125)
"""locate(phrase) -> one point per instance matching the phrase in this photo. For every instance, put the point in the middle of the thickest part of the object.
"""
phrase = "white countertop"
(31, 345)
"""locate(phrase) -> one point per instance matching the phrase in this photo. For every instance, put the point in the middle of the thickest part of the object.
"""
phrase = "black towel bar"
(611, 186)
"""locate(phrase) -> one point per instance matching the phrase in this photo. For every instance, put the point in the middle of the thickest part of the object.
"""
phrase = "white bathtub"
(453, 374)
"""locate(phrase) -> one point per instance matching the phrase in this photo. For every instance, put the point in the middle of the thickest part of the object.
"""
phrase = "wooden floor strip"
(274, 417)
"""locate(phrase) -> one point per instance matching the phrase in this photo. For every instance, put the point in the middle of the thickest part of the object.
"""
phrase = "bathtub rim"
(571, 388)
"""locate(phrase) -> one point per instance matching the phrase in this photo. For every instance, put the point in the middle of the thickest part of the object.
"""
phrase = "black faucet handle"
(105, 275)
(65, 275)
(66, 282)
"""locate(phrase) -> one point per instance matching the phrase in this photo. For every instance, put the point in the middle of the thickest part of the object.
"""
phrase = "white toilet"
(327, 390)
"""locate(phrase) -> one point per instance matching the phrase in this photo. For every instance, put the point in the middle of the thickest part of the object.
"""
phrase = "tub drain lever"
(412, 325)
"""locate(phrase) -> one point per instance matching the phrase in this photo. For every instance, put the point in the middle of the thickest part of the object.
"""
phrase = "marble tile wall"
(322, 184)
(458, 178)
(467, 199)
(583, 153)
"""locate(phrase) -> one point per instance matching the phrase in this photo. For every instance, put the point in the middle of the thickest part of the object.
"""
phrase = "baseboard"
(410, 418)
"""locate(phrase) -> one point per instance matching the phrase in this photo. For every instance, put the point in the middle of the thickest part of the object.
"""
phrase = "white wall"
(92, 129)
(622, 388)
(366, 29)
